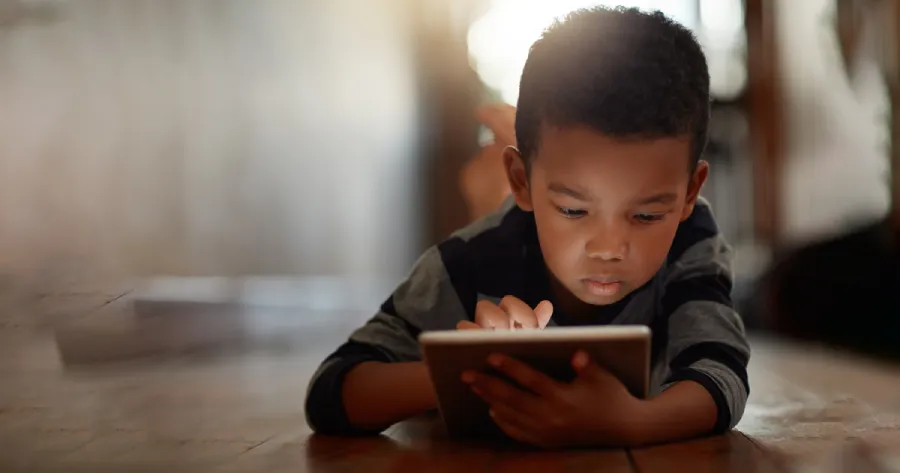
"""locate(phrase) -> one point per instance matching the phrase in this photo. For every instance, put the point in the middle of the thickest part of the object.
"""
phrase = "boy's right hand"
(511, 314)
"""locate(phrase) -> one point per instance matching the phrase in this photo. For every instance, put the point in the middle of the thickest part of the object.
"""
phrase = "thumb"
(543, 312)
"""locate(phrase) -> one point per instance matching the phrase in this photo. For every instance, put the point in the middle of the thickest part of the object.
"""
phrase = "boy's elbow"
(320, 410)
(318, 418)
(734, 401)
(325, 413)
(324, 404)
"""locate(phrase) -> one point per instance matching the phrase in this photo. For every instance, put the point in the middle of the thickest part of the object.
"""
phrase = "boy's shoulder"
(699, 227)
(495, 256)
(504, 230)
(490, 223)
(699, 248)
(493, 242)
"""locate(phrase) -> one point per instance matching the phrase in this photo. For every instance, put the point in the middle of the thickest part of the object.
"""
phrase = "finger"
(517, 433)
(489, 315)
(528, 377)
(496, 391)
(590, 371)
(518, 311)
(513, 417)
(543, 312)
(511, 424)
(468, 325)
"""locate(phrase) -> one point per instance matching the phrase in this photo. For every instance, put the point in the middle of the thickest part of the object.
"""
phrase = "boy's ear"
(701, 171)
(517, 177)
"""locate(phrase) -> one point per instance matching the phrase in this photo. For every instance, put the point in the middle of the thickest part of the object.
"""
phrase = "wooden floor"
(92, 382)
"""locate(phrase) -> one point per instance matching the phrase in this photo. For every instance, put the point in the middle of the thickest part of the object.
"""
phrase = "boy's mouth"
(605, 287)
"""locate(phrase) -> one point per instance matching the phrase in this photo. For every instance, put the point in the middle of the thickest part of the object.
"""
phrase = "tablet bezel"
(606, 332)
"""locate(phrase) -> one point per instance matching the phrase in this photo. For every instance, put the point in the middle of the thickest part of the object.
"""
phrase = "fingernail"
(468, 377)
(580, 360)
(495, 360)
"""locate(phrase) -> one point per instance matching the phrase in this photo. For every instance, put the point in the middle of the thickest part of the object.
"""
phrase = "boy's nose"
(608, 245)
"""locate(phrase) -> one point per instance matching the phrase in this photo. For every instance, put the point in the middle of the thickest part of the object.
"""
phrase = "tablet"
(622, 349)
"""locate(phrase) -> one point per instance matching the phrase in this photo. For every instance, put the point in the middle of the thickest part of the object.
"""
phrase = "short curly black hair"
(622, 72)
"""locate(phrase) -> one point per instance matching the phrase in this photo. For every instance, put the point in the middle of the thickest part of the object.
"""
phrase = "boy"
(605, 226)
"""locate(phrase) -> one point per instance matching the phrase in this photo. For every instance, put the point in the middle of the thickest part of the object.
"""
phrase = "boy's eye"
(649, 218)
(571, 213)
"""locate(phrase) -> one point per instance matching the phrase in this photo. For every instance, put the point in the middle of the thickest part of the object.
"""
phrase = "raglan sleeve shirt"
(705, 339)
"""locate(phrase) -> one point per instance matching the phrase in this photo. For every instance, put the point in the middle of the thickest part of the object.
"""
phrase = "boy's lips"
(603, 286)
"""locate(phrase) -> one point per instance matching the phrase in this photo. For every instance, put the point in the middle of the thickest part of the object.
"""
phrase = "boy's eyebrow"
(661, 198)
(562, 189)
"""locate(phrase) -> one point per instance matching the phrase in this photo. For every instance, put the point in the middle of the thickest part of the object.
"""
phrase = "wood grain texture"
(814, 405)
(732, 452)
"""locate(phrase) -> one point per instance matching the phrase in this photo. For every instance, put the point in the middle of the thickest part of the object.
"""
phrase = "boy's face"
(606, 210)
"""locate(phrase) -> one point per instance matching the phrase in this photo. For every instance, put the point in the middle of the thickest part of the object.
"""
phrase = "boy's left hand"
(594, 409)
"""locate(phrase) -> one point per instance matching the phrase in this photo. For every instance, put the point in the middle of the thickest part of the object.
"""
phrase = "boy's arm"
(706, 346)
(377, 378)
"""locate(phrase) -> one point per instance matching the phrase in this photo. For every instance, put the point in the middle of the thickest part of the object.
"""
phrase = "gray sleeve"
(426, 300)
(706, 339)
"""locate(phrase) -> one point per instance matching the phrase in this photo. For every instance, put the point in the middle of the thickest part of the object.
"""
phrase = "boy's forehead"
(580, 153)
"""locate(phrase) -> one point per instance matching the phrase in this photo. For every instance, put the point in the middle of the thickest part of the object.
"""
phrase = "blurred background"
(303, 153)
